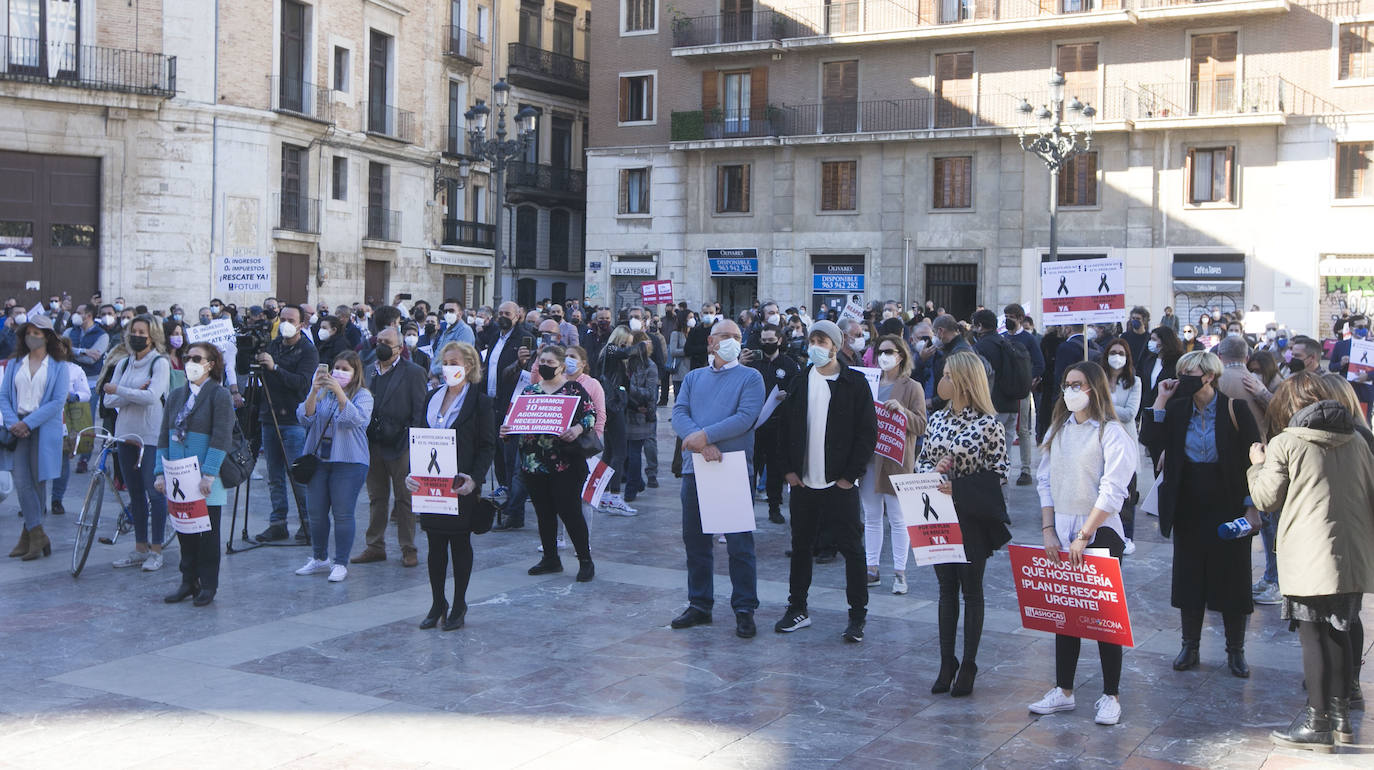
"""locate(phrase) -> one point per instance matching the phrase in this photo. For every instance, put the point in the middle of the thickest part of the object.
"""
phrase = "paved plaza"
(287, 671)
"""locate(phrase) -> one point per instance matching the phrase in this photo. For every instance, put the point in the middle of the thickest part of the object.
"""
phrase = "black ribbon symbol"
(433, 461)
(1063, 285)
(1102, 285)
(176, 490)
(929, 512)
(1364, 357)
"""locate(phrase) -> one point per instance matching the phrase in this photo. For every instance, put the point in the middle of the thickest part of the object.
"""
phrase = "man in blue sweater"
(715, 413)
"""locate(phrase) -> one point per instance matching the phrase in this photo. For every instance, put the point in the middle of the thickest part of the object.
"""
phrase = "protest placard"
(891, 433)
(1082, 291)
(873, 374)
(1361, 359)
(598, 476)
(656, 292)
(723, 494)
(184, 501)
(243, 272)
(930, 519)
(433, 465)
(540, 413)
(1088, 602)
(220, 333)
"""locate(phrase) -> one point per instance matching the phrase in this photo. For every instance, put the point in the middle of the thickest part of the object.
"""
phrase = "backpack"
(1013, 380)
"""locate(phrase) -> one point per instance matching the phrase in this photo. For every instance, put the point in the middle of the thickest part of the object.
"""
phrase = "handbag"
(588, 444)
(303, 468)
(238, 461)
(978, 497)
(476, 513)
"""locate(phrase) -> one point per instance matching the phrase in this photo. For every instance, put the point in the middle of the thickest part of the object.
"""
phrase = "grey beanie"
(829, 329)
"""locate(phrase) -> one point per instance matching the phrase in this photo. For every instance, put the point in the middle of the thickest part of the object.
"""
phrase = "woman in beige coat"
(1319, 474)
(900, 394)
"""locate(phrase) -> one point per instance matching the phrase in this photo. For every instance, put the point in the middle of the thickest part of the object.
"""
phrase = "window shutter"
(827, 187)
(744, 187)
(623, 205)
(1188, 185)
(624, 99)
(758, 93)
(709, 83)
(966, 180)
(939, 184)
(1230, 193)
(844, 183)
(646, 177)
(1089, 179)
(1348, 45)
(648, 98)
(720, 189)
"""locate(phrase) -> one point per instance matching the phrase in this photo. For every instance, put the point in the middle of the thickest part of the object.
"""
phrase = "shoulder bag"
(303, 468)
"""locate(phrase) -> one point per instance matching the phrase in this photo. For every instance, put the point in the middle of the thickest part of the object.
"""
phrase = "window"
(339, 178)
(560, 143)
(560, 227)
(839, 185)
(457, 97)
(563, 17)
(954, 91)
(293, 187)
(1078, 180)
(1211, 175)
(634, 191)
(532, 149)
(526, 237)
(840, 96)
(841, 16)
(525, 289)
(637, 16)
(1353, 180)
(1078, 63)
(955, 10)
(291, 94)
(379, 219)
(636, 98)
(341, 70)
(732, 189)
(483, 22)
(531, 24)
(737, 89)
(953, 183)
(1355, 51)
(379, 75)
(1212, 73)
(49, 39)
(73, 236)
(745, 106)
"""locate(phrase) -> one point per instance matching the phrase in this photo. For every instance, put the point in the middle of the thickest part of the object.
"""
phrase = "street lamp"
(498, 151)
(1054, 142)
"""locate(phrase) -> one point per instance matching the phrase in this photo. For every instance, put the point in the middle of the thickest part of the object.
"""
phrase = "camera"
(252, 339)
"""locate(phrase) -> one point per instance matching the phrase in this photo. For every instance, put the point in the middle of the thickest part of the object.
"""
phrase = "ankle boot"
(1187, 657)
(586, 570)
(23, 547)
(1311, 730)
(1235, 660)
(1342, 731)
(948, 667)
(39, 544)
(963, 683)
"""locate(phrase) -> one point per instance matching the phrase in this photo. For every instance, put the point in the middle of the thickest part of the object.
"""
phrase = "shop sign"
(456, 259)
(1208, 271)
(733, 261)
(648, 269)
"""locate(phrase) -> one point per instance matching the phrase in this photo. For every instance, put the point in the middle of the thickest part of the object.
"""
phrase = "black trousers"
(1067, 648)
(1233, 622)
(839, 511)
(559, 496)
(953, 580)
(441, 545)
(1328, 662)
(768, 456)
(200, 554)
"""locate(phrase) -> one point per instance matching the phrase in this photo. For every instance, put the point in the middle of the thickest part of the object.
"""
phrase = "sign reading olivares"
(733, 261)
(838, 274)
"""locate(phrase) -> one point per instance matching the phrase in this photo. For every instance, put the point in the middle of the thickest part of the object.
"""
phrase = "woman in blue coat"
(31, 400)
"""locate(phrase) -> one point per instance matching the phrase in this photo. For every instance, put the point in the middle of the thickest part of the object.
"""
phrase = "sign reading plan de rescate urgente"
(243, 273)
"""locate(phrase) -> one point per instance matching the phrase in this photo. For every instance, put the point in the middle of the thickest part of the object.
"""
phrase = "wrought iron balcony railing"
(463, 44)
(297, 97)
(296, 213)
(389, 121)
(382, 224)
(87, 66)
(461, 232)
(545, 70)
(543, 177)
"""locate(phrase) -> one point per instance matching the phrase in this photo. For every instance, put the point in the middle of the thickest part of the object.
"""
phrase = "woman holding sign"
(468, 413)
(1086, 464)
(554, 468)
(198, 422)
(965, 441)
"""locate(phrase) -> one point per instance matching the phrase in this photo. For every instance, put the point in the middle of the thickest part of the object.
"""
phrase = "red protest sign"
(598, 476)
(1088, 602)
(891, 434)
(539, 413)
(657, 292)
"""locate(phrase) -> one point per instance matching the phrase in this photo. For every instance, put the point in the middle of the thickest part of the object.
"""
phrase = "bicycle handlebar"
(104, 435)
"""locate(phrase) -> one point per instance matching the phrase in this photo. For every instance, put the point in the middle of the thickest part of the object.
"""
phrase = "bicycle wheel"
(87, 521)
(169, 535)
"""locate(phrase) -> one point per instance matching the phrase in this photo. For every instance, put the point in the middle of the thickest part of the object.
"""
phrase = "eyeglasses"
(1076, 387)
(196, 358)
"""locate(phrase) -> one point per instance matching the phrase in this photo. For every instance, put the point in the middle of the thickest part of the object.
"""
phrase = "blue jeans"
(59, 484)
(634, 461)
(701, 591)
(26, 483)
(651, 458)
(1269, 533)
(293, 436)
(334, 493)
(145, 501)
(516, 495)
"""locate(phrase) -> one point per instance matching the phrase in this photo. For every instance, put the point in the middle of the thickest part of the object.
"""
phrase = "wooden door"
(736, 20)
(954, 91)
(840, 97)
(293, 274)
(49, 226)
(1213, 73)
(375, 279)
(378, 51)
(292, 88)
(1078, 63)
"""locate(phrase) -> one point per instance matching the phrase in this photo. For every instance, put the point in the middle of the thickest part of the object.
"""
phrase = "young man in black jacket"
(781, 372)
(828, 433)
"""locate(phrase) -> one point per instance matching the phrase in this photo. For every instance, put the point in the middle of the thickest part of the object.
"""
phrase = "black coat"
(475, 426)
(398, 403)
(851, 427)
(508, 365)
(781, 373)
(288, 383)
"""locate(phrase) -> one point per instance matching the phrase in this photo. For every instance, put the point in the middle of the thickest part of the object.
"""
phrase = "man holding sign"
(1354, 358)
(715, 412)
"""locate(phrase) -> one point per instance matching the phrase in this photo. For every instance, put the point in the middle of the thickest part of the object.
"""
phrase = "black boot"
(1356, 696)
(586, 570)
(437, 612)
(547, 565)
(1187, 657)
(455, 619)
(183, 592)
(1235, 660)
(1311, 730)
(948, 667)
(963, 683)
(1341, 729)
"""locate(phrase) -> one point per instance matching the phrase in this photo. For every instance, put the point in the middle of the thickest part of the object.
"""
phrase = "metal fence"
(549, 64)
(546, 178)
(389, 121)
(461, 232)
(465, 45)
(87, 66)
(297, 97)
(382, 224)
(296, 213)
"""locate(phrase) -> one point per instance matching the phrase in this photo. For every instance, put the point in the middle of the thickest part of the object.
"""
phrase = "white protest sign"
(1255, 321)
(873, 374)
(434, 464)
(723, 495)
(1361, 359)
(1082, 291)
(854, 310)
(220, 333)
(241, 272)
(930, 519)
(184, 501)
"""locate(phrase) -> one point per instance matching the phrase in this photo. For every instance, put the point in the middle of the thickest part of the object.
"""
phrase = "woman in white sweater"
(1086, 464)
(1126, 390)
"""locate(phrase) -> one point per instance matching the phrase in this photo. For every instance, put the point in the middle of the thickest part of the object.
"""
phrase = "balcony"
(465, 46)
(296, 212)
(382, 224)
(531, 67)
(87, 66)
(301, 99)
(474, 235)
(1152, 10)
(542, 181)
(1263, 101)
(388, 121)
(732, 29)
(715, 124)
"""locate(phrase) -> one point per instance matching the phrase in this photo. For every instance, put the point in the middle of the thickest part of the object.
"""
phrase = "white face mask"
(707, 318)
(817, 355)
(691, 323)
(323, 334)
(857, 344)
(78, 319)
(1075, 401)
(194, 371)
(287, 329)
(453, 375)
(636, 325)
(412, 340)
(21, 319)
(450, 318)
(480, 322)
(109, 320)
(342, 376)
(125, 321)
(1153, 346)
(1090, 333)
(1116, 361)
(570, 365)
(887, 361)
(920, 345)
(1271, 335)
(774, 319)
(866, 336)
(1188, 334)
(728, 349)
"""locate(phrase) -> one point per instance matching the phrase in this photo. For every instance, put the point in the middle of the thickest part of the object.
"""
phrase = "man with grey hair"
(1234, 352)
(851, 352)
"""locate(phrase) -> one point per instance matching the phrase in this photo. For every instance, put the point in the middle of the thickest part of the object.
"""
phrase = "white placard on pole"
(1082, 291)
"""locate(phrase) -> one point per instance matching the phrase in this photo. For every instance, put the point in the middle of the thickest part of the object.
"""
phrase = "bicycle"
(102, 477)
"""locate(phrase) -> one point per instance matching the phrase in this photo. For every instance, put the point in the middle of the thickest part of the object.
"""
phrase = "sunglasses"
(196, 358)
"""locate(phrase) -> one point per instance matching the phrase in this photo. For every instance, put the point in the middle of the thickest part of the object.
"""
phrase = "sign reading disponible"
(1088, 602)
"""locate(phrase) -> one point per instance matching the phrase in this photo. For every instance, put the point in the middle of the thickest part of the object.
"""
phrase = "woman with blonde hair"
(965, 441)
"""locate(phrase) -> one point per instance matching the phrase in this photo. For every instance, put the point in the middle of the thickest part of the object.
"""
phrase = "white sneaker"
(153, 563)
(898, 584)
(134, 559)
(1108, 710)
(315, 566)
(721, 539)
(562, 545)
(338, 573)
(1270, 595)
(616, 506)
(1130, 547)
(1054, 700)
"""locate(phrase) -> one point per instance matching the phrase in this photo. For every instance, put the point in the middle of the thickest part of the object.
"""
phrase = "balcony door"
(1078, 63)
(954, 91)
(379, 74)
(736, 20)
(293, 176)
(737, 100)
(44, 38)
(531, 24)
(1212, 81)
(840, 97)
(378, 193)
(291, 89)
(563, 17)
(560, 143)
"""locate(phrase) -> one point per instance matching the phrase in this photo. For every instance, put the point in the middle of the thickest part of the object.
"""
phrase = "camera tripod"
(254, 392)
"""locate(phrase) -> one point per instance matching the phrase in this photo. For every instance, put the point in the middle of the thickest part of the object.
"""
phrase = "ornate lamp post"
(498, 151)
(1054, 142)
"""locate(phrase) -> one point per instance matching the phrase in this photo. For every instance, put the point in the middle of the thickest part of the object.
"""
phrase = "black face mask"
(269, 314)
(503, 323)
(384, 352)
(138, 344)
(548, 372)
(770, 348)
(1188, 385)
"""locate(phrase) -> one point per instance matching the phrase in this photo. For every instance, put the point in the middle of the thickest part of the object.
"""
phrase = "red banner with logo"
(1088, 602)
(891, 434)
(657, 292)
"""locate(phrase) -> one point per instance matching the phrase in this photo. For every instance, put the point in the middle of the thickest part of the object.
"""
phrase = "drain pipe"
(906, 271)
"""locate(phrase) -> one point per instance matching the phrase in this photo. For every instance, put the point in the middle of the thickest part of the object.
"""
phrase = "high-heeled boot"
(23, 547)
(1341, 729)
(948, 668)
(39, 544)
(1311, 730)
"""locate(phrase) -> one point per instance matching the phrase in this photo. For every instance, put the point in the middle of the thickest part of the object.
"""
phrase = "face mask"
(412, 340)
(21, 319)
(205, 320)
(888, 314)
(287, 329)
(817, 355)
(887, 361)
(798, 334)
(1360, 333)
(1188, 385)
(341, 376)
(118, 306)
(769, 348)
(857, 344)
(1075, 401)
(324, 334)
(384, 353)
(175, 341)
(1152, 346)
(1282, 342)
(78, 319)
(707, 318)
(1188, 335)
(56, 306)
(450, 318)
(728, 349)
(125, 321)
(194, 371)
(1117, 361)
(691, 323)
(34, 343)
(108, 320)
(571, 365)
(176, 316)
(453, 375)
(548, 372)
(215, 309)
(1288, 356)
(1216, 315)
(1090, 333)
(920, 345)
(1271, 335)
(479, 323)
(1135, 324)
(138, 344)
(503, 323)
(774, 319)
(636, 325)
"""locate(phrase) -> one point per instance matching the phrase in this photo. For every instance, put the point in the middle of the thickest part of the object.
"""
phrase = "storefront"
(1346, 285)
(465, 275)
(835, 280)
(735, 278)
(1207, 282)
(627, 273)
